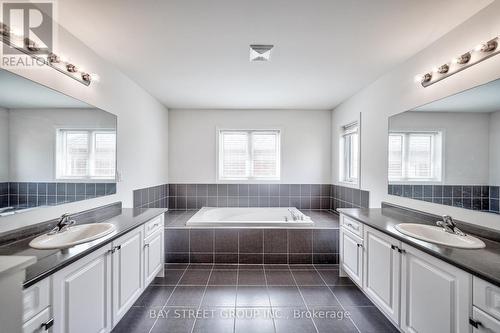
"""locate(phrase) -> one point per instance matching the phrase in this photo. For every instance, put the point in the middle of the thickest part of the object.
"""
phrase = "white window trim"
(249, 180)
(86, 178)
(430, 181)
(341, 164)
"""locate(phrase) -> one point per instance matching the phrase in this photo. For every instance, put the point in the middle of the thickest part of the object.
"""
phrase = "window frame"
(250, 179)
(345, 163)
(438, 169)
(92, 132)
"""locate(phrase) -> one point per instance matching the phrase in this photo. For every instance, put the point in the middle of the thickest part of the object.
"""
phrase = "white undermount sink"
(72, 236)
(437, 235)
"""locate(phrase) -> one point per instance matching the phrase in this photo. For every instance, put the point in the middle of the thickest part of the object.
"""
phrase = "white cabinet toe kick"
(417, 292)
(92, 294)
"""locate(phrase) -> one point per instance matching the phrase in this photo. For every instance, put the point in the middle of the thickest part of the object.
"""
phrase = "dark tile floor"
(253, 298)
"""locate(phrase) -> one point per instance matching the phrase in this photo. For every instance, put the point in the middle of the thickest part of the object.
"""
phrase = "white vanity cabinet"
(153, 250)
(486, 310)
(127, 262)
(351, 250)
(416, 291)
(92, 294)
(382, 270)
(435, 296)
(82, 294)
(37, 312)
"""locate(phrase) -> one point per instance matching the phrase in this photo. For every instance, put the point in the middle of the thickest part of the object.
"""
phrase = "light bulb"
(95, 77)
(479, 47)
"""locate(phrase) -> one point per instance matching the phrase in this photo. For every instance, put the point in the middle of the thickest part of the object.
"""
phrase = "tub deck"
(323, 219)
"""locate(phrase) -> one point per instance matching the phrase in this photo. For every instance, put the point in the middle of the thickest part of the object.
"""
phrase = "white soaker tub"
(249, 217)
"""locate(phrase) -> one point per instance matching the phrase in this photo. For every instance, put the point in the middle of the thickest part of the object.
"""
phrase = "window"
(415, 156)
(86, 154)
(349, 147)
(249, 155)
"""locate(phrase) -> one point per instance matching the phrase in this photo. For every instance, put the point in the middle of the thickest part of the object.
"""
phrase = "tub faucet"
(450, 226)
(294, 216)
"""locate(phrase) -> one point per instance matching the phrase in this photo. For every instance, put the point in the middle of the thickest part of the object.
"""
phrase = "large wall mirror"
(54, 149)
(448, 152)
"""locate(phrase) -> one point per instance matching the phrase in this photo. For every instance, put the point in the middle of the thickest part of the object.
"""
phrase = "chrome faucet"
(64, 223)
(295, 216)
(450, 226)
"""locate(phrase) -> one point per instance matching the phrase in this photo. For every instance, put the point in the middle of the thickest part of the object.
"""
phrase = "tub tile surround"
(302, 196)
(475, 197)
(34, 194)
(318, 245)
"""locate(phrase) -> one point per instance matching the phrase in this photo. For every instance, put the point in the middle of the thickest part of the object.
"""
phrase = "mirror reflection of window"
(415, 156)
(86, 154)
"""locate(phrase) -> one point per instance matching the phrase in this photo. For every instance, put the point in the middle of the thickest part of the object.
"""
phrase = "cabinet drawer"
(36, 298)
(153, 225)
(34, 325)
(353, 226)
(486, 297)
(486, 323)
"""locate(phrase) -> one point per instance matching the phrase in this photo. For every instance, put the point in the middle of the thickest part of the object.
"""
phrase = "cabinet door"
(351, 248)
(382, 267)
(127, 272)
(81, 295)
(435, 296)
(153, 258)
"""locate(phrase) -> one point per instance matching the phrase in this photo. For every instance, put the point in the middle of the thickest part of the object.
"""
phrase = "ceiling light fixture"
(259, 52)
(481, 52)
(27, 46)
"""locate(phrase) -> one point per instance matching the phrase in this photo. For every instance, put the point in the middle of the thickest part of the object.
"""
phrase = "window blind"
(249, 154)
(415, 156)
(86, 154)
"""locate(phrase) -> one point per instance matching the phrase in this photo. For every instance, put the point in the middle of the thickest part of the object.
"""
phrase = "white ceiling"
(17, 92)
(195, 54)
(484, 98)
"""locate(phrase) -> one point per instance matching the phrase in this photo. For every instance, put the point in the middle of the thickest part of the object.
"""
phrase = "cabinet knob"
(48, 324)
(401, 251)
(146, 245)
(360, 245)
(394, 247)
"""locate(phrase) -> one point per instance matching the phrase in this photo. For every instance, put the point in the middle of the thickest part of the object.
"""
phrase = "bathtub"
(246, 217)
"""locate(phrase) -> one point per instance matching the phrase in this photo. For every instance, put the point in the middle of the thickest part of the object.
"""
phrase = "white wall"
(495, 148)
(4, 145)
(142, 126)
(396, 92)
(305, 142)
(32, 138)
(465, 138)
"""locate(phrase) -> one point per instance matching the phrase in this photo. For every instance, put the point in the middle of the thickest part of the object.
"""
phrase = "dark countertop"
(50, 261)
(483, 263)
(323, 219)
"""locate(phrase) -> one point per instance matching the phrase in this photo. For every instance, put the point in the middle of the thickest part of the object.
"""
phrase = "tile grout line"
(202, 297)
(352, 321)
(237, 285)
(303, 299)
(166, 302)
(269, 296)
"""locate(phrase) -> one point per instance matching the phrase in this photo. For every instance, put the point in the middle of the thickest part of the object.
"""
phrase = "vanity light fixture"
(30, 48)
(481, 52)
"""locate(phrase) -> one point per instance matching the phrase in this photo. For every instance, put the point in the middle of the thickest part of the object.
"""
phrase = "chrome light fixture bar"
(481, 52)
(30, 48)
